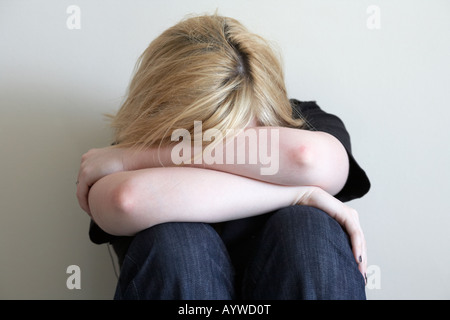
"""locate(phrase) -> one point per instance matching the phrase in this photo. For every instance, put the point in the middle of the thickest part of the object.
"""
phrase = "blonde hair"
(206, 68)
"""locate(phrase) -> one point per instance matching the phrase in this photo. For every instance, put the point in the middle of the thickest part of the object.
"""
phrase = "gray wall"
(390, 85)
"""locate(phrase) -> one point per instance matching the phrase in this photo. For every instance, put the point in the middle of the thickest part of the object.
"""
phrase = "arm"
(280, 155)
(302, 157)
(125, 203)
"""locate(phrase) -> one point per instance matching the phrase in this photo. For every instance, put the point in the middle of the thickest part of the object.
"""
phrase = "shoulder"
(319, 120)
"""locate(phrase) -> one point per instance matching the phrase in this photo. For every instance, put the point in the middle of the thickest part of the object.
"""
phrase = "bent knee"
(175, 243)
(302, 216)
(306, 224)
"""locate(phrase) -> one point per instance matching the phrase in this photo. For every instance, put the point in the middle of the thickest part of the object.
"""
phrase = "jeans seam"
(225, 252)
(132, 282)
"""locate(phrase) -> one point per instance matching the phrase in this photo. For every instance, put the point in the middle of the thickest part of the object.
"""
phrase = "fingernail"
(360, 259)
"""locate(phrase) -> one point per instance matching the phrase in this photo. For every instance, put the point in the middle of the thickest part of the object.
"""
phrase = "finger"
(348, 222)
(83, 186)
(362, 262)
(360, 252)
(365, 261)
(358, 243)
(82, 196)
(357, 248)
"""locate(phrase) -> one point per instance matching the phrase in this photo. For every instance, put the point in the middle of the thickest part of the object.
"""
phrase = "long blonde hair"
(206, 68)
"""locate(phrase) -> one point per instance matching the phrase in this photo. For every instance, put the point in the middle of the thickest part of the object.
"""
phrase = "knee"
(303, 229)
(304, 219)
(310, 254)
(176, 261)
(173, 246)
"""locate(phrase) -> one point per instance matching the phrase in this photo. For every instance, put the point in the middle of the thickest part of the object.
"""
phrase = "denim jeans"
(299, 253)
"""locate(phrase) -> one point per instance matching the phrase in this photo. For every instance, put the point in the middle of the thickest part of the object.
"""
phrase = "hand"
(95, 164)
(346, 216)
(349, 220)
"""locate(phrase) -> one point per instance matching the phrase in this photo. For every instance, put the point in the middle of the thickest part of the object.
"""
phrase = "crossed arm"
(126, 191)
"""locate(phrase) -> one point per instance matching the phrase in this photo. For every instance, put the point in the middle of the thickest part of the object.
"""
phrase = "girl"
(195, 229)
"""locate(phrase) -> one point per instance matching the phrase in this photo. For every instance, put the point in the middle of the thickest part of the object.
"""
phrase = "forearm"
(277, 155)
(127, 202)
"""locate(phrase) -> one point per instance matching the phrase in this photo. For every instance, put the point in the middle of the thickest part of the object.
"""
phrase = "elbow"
(113, 206)
(303, 157)
(122, 200)
(324, 164)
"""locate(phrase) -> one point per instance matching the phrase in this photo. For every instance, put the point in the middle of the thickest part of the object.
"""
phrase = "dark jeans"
(299, 253)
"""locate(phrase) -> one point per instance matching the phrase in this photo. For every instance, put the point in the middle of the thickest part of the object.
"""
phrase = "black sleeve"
(97, 235)
(358, 183)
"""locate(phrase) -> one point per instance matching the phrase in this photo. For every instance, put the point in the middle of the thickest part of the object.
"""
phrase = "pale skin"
(126, 191)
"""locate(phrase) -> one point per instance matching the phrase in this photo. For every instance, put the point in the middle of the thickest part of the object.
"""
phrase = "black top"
(234, 233)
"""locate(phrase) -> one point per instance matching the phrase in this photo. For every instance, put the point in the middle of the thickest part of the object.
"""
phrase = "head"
(205, 68)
